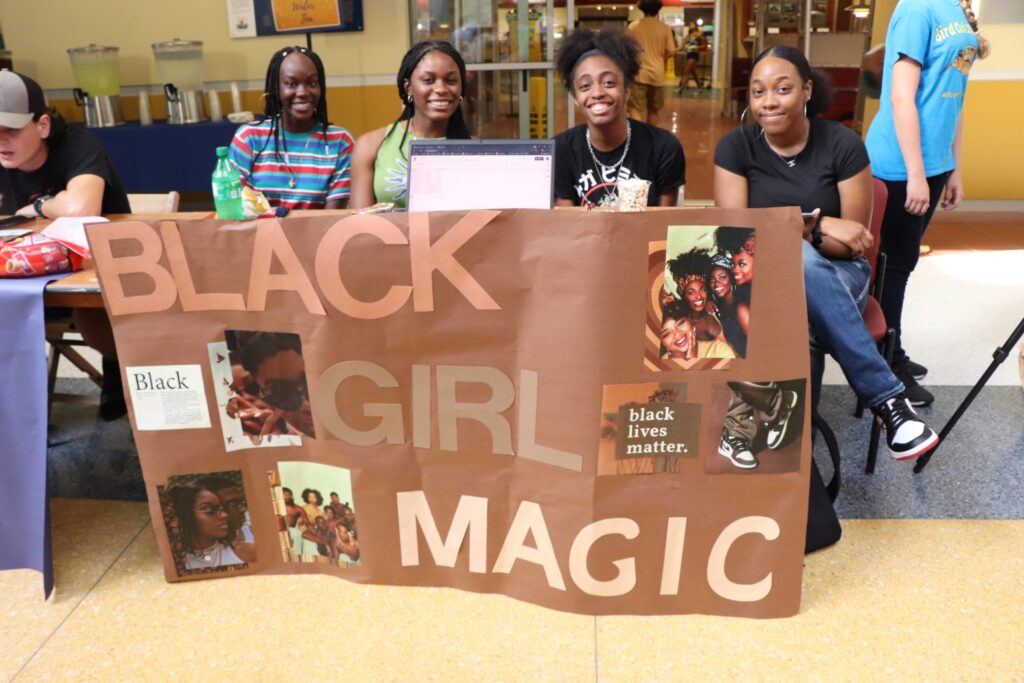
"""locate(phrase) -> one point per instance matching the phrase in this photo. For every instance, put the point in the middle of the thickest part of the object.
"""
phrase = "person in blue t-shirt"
(915, 140)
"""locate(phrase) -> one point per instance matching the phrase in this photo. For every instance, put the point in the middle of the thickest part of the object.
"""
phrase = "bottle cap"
(222, 152)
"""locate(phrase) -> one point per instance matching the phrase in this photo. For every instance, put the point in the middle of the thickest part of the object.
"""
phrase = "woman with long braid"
(293, 155)
(915, 142)
(430, 82)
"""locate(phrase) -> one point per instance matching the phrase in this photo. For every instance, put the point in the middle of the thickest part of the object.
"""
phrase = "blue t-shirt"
(936, 35)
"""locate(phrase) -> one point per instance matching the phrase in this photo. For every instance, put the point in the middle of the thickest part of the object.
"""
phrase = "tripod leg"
(998, 357)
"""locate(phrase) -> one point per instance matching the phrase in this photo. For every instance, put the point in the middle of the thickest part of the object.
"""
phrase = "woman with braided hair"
(293, 155)
(598, 70)
(431, 79)
(915, 142)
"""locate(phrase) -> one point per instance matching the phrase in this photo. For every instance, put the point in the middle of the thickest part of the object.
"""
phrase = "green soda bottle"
(227, 188)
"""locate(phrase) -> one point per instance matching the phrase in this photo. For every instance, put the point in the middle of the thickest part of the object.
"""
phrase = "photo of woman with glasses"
(203, 531)
(271, 391)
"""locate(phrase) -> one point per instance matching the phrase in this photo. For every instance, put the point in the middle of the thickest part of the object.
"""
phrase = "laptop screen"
(459, 175)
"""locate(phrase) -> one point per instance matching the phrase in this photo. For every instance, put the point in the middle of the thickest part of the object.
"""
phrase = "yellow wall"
(993, 157)
(39, 32)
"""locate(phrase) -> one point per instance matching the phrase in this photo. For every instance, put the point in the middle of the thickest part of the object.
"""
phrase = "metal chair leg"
(888, 348)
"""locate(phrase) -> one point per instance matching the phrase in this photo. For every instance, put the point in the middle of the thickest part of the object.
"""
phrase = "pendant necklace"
(288, 161)
(791, 162)
(206, 554)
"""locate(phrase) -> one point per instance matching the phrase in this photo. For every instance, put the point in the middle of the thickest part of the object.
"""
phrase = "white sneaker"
(906, 434)
(737, 449)
(777, 430)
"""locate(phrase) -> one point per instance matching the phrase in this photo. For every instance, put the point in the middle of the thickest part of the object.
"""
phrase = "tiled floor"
(895, 600)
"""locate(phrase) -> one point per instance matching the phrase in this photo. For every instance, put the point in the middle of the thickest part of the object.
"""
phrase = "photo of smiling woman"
(274, 393)
(700, 294)
(293, 155)
(690, 271)
(198, 522)
(431, 79)
(598, 70)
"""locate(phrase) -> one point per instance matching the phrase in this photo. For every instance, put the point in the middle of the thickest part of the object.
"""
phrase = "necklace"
(791, 162)
(610, 171)
(288, 161)
(206, 555)
(788, 162)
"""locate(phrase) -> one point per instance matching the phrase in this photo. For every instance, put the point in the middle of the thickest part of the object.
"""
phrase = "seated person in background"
(431, 79)
(51, 170)
(788, 157)
(590, 159)
(293, 155)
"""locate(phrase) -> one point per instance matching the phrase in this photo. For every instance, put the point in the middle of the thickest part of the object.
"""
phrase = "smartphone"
(11, 221)
(807, 215)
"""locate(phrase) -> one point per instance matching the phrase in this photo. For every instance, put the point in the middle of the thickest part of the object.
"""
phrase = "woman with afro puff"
(590, 159)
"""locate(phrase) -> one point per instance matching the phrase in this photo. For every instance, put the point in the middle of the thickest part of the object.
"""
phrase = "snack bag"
(34, 255)
(254, 204)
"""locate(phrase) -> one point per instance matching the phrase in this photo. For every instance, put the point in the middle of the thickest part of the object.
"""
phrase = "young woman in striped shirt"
(293, 155)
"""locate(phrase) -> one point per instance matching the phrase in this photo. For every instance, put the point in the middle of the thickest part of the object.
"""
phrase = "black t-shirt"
(654, 154)
(79, 152)
(833, 153)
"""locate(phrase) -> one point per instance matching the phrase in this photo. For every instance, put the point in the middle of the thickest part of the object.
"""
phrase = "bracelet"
(38, 204)
(816, 237)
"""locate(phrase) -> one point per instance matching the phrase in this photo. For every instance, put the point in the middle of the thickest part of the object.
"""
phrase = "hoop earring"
(743, 115)
(408, 99)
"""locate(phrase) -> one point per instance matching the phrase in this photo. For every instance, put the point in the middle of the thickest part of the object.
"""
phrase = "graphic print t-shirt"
(936, 35)
(654, 154)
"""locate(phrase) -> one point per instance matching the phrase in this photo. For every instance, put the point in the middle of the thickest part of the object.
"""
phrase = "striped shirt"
(315, 163)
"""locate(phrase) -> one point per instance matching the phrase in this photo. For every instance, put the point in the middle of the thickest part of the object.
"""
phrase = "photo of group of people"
(207, 520)
(761, 427)
(700, 292)
(261, 387)
(312, 528)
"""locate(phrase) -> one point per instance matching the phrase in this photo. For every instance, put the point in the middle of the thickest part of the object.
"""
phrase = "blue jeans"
(836, 296)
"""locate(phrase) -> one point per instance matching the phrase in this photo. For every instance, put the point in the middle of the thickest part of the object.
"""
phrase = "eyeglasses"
(212, 510)
(231, 505)
(290, 396)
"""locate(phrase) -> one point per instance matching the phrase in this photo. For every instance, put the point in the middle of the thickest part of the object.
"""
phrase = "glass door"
(509, 48)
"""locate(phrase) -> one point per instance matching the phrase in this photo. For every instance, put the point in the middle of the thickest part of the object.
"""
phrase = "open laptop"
(459, 175)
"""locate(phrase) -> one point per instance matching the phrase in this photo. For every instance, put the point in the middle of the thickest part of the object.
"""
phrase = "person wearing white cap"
(49, 169)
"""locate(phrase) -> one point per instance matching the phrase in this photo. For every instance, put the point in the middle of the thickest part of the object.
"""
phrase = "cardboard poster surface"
(595, 412)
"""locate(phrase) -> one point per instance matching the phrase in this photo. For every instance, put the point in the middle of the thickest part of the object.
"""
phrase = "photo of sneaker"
(737, 450)
(778, 430)
(906, 434)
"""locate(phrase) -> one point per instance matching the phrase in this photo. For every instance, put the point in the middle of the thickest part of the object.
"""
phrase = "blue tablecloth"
(161, 158)
(24, 509)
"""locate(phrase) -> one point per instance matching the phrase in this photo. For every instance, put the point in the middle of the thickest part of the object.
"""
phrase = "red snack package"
(34, 255)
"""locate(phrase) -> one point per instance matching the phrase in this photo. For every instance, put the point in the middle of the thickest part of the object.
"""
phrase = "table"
(186, 154)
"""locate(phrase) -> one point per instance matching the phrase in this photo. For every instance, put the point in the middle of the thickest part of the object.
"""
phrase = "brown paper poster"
(433, 400)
